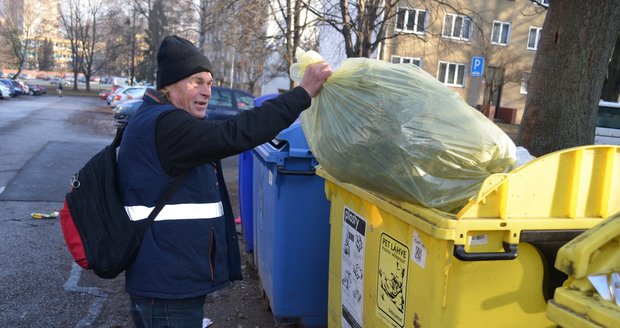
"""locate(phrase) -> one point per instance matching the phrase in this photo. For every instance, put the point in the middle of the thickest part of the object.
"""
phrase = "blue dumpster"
(245, 188)
(291, 229)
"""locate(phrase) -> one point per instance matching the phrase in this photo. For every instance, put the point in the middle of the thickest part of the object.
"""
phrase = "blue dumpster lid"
(290, 142)
(297, 144)
(260, 99)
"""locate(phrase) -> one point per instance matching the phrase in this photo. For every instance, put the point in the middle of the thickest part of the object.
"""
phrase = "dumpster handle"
(283, 171)
(509, 254)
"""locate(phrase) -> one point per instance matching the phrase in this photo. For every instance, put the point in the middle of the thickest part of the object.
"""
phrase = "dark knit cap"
(177, 59)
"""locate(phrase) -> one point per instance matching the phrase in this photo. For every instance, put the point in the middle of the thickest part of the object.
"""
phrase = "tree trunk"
(567, 75)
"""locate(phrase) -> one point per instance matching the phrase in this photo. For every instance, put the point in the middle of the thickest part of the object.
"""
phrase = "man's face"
(192, 93)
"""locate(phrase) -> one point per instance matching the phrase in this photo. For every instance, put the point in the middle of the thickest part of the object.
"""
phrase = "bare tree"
(19, 23)
(567, 76)
(89, 35)
(122, 39)
(208, 14)
(154, 13)
(71, 20)
(249, 42)
(235, 47)
(361, 23)
(296, 24)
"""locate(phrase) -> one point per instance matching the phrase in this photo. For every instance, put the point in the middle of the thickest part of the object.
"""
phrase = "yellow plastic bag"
(396, 130)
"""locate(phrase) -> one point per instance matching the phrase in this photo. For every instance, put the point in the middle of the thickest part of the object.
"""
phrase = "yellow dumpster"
(590, 296)
(397, 264)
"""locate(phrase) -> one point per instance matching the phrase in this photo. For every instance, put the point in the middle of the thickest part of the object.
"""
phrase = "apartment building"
(483, 50)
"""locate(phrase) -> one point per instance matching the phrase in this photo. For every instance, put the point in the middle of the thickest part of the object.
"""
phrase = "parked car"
(127, 93)
(124, 110)
(35, 89)
(115, 89)
(19, 90)
(104, 94)
(608, 123)
(8, 84)
(226, 103)
(5, 92)
(42, 76)
(57, 80)
(23, 86)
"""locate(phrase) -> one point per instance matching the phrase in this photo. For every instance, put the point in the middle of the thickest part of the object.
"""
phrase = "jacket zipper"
(212, 253)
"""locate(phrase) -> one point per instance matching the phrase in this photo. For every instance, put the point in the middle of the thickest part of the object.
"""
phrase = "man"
(191, 249)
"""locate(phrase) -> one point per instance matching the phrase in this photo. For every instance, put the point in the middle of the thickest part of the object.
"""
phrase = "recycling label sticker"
(392, 281)
(419, 251)
(352, 271)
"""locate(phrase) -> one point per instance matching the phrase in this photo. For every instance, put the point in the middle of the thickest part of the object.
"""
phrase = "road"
(44, 141)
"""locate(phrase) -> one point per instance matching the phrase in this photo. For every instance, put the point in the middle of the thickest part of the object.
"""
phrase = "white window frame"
(525, 81)
(407, 60)
(529, 37)
(446, 78)
(497, 33)
(416, 24)
(464, 32)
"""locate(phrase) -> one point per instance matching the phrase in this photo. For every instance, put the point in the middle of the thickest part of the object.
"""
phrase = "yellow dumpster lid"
(572, 308)
(595, 251)
(572, 189)
(580, 182)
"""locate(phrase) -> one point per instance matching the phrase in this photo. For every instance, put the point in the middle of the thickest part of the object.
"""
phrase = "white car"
(126, 93)
(5, 92)
(608, 124)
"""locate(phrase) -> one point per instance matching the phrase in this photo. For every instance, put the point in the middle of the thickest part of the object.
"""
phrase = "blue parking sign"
(477, 66)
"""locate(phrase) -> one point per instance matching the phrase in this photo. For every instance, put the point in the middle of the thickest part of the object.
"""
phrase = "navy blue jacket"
(191, 249)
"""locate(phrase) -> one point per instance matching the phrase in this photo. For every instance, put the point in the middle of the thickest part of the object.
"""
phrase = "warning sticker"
(352, 271)
(392, 282)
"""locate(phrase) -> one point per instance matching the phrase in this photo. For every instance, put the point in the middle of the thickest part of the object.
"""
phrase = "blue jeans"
(148, 312)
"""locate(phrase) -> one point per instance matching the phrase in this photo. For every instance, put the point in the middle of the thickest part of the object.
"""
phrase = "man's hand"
(314, 77)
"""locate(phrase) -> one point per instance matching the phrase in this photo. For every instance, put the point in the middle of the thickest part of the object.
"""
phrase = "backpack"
(97, 230)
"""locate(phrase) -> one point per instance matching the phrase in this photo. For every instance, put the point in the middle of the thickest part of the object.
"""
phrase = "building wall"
(514, 58)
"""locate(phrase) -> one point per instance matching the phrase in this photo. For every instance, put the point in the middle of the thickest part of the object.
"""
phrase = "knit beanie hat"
(178, 58)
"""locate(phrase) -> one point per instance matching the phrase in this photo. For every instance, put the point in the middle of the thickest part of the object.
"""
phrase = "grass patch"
(79, 93)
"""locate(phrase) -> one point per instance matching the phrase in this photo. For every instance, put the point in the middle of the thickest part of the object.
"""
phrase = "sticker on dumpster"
(419, 251)
(392, 280)
(478, 240)
(270, 178)
(352, 271)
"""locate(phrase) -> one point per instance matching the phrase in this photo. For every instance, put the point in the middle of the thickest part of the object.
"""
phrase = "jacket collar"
(152, 96)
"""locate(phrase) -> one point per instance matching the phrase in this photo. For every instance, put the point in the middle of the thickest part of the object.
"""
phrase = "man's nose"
(206, 90)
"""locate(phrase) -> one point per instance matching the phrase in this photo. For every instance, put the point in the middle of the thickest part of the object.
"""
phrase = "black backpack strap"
(119, 135)
(167, 195)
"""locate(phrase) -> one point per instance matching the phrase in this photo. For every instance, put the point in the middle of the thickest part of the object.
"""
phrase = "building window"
(532, 39)
(411, 20)
(457, 27)
(451, 74)
(525, 80)
(407, 60)
(501, 33)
